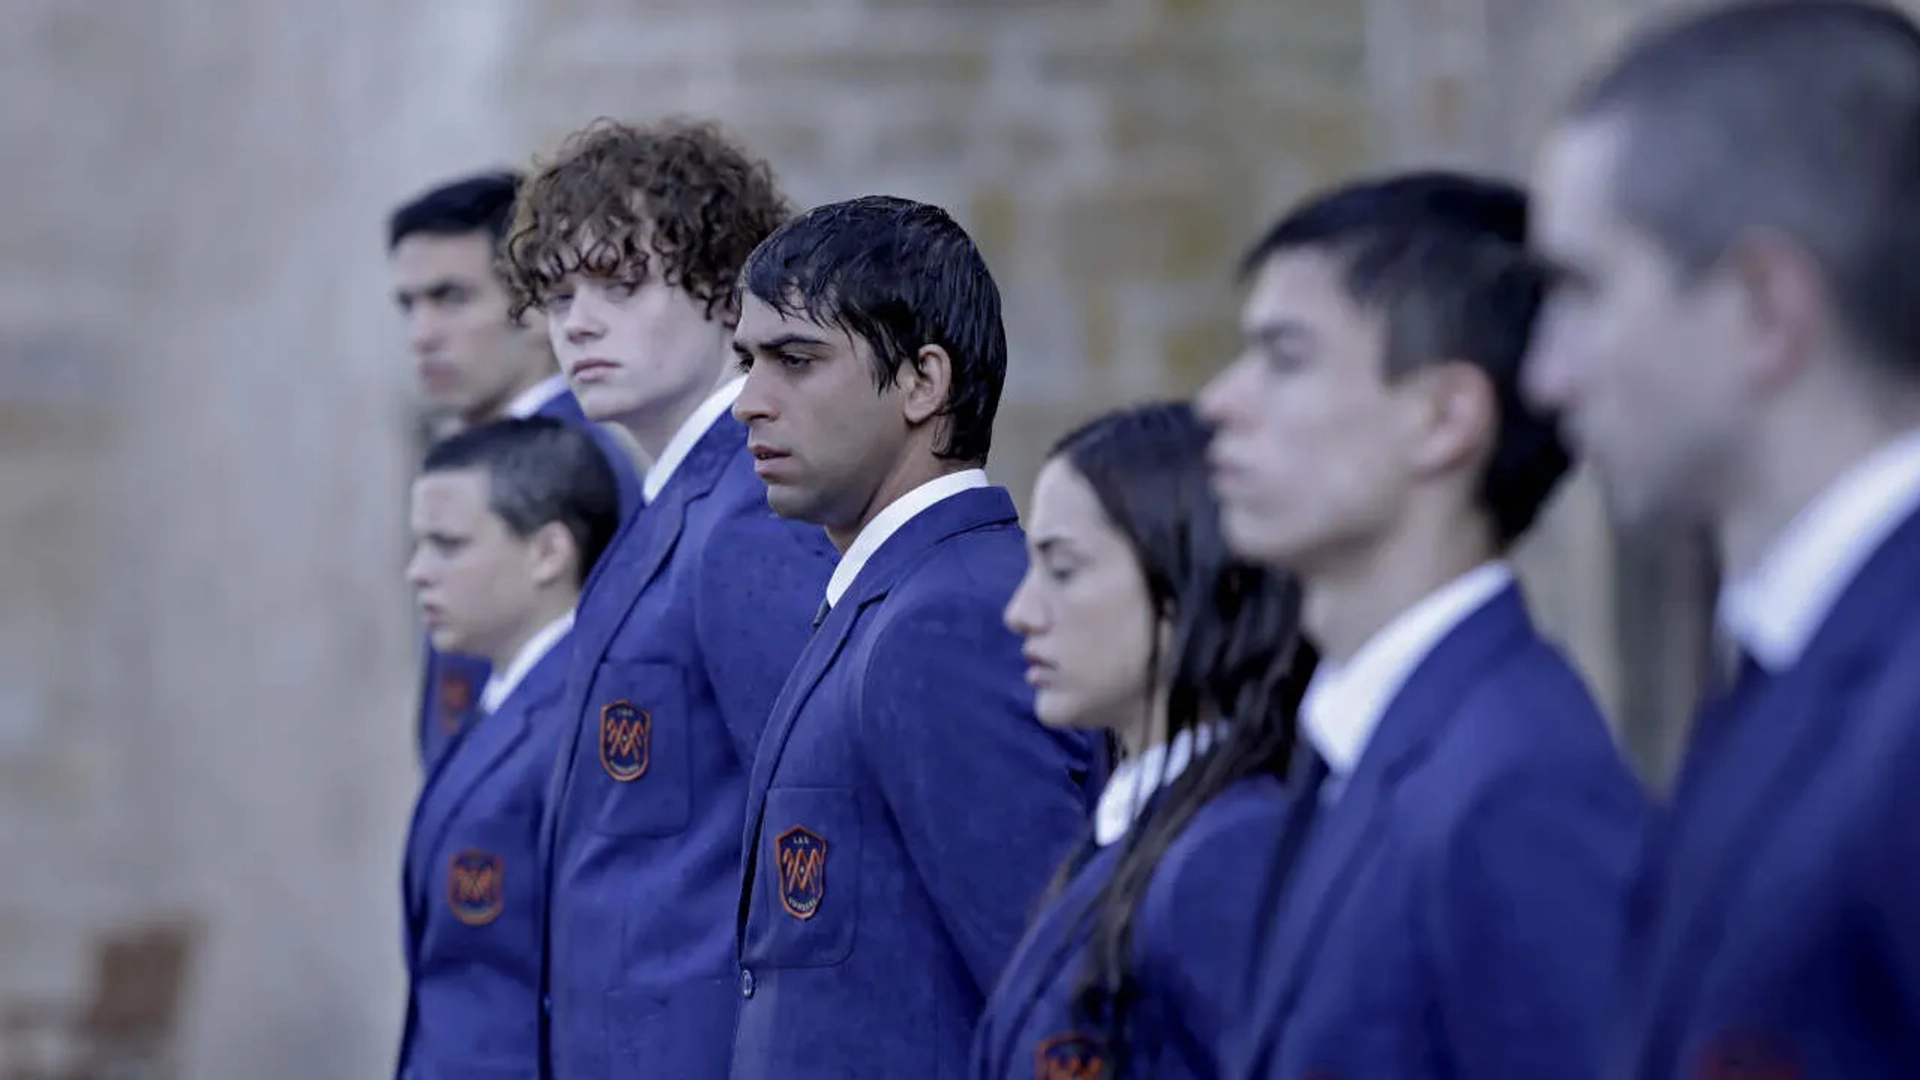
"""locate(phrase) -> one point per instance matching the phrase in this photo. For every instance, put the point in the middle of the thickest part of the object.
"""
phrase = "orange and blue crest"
(476, 889)
(454, 691)
(626, 741)
(1069, 1057)
(802, 858)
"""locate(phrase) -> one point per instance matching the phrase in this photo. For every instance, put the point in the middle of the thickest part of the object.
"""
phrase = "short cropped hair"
(1441, 258)
(540, 470)
(1799, 118)
(677, 200)
(482, 203)
(900, 275)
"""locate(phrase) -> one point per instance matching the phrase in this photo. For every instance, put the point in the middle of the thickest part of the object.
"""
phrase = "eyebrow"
(1279, 332)
(773, 344)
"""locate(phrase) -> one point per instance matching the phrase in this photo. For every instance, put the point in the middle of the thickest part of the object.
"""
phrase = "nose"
(1215, 403)
(1024, 609)
(424, 333)
(582, 322)
(755, 402)
(418, 576)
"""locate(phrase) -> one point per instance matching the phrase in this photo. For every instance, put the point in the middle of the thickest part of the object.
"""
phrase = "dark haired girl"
(1139, 622)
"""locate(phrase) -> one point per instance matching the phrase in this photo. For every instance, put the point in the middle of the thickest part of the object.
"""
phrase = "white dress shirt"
(502, 683)
(535, 397)
(1775, 610)
(889, 521)
(687, 436)
(1136, 779)
(1345, 704)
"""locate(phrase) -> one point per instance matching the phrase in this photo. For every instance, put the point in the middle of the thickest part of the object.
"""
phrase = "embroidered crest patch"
(455, 693)
(626, 741)
(802, 858)
(1072, 1056)
(475, 887)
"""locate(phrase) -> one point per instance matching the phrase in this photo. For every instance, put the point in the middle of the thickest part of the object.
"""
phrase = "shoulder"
(1204, 877)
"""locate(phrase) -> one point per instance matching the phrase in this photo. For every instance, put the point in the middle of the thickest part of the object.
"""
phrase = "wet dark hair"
(900, 275)
(481, 203)
(1442, 258)
(678, 201)
(1237, 662)
(540, 470)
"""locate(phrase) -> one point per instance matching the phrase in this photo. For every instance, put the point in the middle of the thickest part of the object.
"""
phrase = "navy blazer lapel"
(658, 525)
(960, 513)
(1772, 746)
(1418, 714)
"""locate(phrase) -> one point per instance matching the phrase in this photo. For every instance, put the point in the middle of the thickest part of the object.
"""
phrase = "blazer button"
(546, 1004)
(746, 982)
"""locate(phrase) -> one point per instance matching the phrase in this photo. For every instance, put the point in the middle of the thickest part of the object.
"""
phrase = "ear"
(551, 555)
(1781, 296)
(924, 383)
(1455, 416)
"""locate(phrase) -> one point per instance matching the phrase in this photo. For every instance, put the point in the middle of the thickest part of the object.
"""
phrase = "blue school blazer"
(1776, 927)
(1190, 935)
(1458, 911)
(451, 682)
(905, 813)
(473, 891)
(686, 631)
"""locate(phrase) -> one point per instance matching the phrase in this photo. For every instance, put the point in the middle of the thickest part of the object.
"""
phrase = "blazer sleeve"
(759, 580)
(986, 799)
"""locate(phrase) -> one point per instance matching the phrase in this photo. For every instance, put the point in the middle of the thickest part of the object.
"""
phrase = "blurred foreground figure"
(1450, 887)
(1733, 212)
(508, 521)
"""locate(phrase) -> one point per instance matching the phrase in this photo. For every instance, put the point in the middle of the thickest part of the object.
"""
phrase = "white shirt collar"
(535, 397)
(1136, 779)
(1775, 610)
(1343, 705)
(889, 521)
(502, 683)
(687, 436)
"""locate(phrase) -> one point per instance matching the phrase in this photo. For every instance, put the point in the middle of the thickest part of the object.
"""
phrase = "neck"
(1779, 477)
(495, 408)
(653, 426)
(538, 618)
(1354, 594)
(1147, 731)
(910, 471)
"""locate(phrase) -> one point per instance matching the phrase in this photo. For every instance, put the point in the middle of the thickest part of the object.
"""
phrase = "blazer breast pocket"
(637, 715)
(807, 878)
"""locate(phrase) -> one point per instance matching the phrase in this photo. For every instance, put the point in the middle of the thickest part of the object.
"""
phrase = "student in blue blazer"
(1455, 905)
(477, 364)
(905, 808)
(631, 241)
(1735, 341)
(1138, 621)
(508, 519)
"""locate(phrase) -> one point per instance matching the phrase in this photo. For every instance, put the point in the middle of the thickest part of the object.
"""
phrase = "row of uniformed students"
(794, 764)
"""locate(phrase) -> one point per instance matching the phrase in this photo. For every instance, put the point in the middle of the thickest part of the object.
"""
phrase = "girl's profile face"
(1083, 609)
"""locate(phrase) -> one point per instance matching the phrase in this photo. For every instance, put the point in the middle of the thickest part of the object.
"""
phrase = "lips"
(591, 369)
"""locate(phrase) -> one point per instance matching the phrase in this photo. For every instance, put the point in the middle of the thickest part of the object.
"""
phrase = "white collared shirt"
(889, 521)
(1775, 610)
(535, 397)
(687, 436)
(502, 683)
(1136, 779)
(1344, 705)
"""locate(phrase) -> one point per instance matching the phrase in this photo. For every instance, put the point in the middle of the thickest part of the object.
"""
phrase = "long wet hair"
(1237, 665)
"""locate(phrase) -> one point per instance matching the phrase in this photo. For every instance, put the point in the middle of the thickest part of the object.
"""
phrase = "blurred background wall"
(206, 412)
